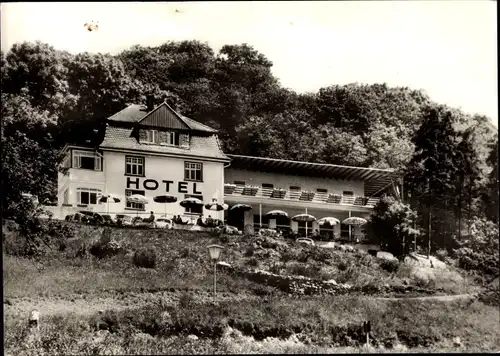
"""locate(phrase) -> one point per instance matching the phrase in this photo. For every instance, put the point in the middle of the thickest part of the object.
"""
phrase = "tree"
(102, 87)
(491, 194)
(391, 223)
(433, 168)
(41, 73)
(29, 159)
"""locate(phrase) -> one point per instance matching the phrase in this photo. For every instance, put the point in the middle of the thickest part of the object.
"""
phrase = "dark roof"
(200, 146)
(134, 114)
(374, 179)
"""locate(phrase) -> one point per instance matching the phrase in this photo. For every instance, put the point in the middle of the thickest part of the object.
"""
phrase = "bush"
(145, 257)
(481, 250)
(253, 262)
(442, 255)
(390, 266)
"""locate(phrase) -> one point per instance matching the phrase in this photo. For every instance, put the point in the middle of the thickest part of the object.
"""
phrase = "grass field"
(70, 288)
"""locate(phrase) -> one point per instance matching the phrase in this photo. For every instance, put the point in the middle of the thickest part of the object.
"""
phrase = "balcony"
(277, 194)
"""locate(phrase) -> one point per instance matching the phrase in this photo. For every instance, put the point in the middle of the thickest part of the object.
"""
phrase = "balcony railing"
(298, 195)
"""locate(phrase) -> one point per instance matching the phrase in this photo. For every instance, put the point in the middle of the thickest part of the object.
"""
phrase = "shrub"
(481, 250)
(145, 257)
(253, 262)
(442, 255)
(298, 269)
(249, 251)
(186, 300)
(223, 238)
(390, 266)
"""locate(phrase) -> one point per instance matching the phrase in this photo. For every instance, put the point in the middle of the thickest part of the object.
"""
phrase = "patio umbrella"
(275, 213)
(304, 217)
(354, 221)
(215, 205)
(244, 207)
(137, 199)
(108, 198)
(190, 202)
(329, 220)
(165, 199)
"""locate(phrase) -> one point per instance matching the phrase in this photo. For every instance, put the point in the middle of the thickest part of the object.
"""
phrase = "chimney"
(149, 102)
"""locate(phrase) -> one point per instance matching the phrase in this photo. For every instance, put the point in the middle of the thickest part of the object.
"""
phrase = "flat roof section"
(375, 179)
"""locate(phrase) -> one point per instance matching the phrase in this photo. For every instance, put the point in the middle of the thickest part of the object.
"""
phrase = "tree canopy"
(52, 97)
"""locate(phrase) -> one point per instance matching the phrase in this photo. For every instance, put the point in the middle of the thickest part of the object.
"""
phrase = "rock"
(7, 301)
(223, 264)
(386, 256)
(400, 347)
(457, 342)
(192, 337)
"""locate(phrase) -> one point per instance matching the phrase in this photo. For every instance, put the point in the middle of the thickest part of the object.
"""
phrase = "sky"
(447, 48)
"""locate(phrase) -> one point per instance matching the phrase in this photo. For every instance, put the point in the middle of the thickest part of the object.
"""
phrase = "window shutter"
(76, 161)
(143, 136)
(184, 140)
(97, 163)
(163, 137)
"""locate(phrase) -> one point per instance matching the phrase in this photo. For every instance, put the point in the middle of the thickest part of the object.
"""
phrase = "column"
(248, 221)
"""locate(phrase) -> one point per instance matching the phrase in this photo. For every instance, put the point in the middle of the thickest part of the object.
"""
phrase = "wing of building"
(157, 151)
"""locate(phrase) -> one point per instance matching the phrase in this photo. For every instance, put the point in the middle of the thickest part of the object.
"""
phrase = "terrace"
(247, 192)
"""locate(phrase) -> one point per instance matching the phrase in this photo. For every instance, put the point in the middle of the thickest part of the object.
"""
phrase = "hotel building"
(157, 151)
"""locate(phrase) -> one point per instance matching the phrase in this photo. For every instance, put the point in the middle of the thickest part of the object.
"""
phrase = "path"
(441, 298)
(91, 304)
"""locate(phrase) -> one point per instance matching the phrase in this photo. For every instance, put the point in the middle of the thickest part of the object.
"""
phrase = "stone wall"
(300, 285)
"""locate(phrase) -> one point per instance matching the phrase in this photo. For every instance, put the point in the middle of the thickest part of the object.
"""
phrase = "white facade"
(162, 175)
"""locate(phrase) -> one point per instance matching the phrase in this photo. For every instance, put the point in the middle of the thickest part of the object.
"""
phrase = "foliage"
(392, 223)
(481, 249)
(390, 266)
(52, 97)
(145, 257)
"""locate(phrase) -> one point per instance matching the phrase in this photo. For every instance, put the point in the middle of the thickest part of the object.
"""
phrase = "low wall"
(300, 285)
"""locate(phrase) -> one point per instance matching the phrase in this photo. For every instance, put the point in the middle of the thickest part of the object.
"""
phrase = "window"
(87, 196)
(239, 182)
(198, 210)
(294, 187)
(135, 206)
(86, 160)
(134, 166)
(172, 138)
(321, 190)
(347, 193)
(193, 171)
(152, 136)
(66, 196)
(267, 186)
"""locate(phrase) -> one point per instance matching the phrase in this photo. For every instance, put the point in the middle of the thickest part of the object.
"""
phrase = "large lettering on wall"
(169, 185)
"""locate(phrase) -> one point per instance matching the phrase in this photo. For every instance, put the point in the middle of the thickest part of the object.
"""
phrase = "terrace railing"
(297, 195)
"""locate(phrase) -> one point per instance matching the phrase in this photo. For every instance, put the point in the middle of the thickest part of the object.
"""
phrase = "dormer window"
(152, 136)
(172, 138)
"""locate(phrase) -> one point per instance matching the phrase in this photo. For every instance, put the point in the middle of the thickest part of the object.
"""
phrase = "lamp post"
(215, 251)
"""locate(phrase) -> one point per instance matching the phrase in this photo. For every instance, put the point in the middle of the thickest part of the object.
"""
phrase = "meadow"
(108, 305)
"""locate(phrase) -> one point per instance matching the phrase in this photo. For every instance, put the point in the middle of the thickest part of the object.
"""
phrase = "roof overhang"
(376, 180)
(173, 155)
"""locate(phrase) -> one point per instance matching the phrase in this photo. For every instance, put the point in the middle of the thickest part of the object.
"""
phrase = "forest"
(449, 158)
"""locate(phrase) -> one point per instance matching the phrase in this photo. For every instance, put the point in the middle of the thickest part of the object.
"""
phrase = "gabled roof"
(162, 116)
(205, 146)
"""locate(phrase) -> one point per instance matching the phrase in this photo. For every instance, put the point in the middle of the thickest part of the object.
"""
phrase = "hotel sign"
(169, 185)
